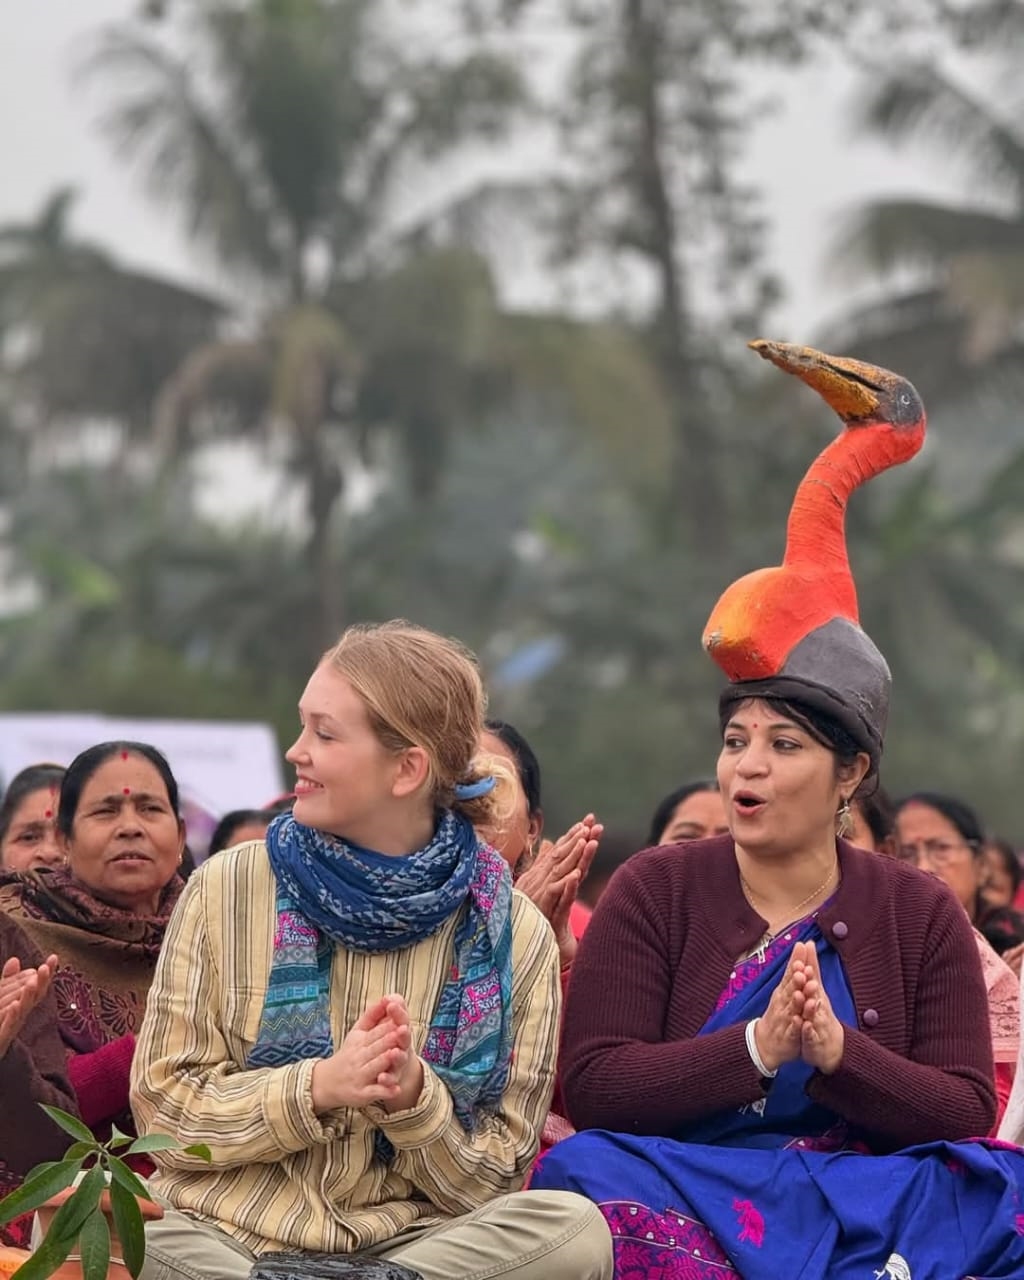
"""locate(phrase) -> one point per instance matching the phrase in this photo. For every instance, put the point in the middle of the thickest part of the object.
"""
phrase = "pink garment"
(579, 918)
(556, 1126)
(1003, 991)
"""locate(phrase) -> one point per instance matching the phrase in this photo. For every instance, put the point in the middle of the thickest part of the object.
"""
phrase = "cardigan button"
(840, 929)
(871, 1017)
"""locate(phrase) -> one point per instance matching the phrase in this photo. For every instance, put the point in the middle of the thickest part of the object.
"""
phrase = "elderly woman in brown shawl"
(104, 912)
(32, 1067)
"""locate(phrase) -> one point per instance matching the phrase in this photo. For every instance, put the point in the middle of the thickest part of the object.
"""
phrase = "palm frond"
(188, 152)
(890, 234)
(929, 339)
(225, 383)
(452, 102)
(314, 353)
(926, 104)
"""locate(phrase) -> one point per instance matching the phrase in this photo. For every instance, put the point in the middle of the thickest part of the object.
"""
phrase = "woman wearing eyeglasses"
(944, 837)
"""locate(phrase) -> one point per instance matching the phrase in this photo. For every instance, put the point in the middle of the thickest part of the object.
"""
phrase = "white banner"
(219, 764)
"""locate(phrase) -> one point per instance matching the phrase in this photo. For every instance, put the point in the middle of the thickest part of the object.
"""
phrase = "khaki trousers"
(531, 1235)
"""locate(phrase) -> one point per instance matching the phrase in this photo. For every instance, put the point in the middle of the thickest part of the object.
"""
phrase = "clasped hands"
(20, 991)
(553, 879)
(375, 1063)
(799, 1021)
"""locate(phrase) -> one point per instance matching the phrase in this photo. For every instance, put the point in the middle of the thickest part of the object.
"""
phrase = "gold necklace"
(768, 938)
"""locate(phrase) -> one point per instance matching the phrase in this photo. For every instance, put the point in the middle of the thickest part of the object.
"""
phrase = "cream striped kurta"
(281, 1176)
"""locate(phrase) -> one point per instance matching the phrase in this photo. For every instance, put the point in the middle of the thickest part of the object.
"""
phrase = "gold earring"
(844, 819)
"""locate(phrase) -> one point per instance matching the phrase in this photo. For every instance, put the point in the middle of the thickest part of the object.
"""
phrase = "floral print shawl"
(106, 955)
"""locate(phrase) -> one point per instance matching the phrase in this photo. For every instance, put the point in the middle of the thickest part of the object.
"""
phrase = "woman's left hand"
(1014, 958)
(554, 879)
(823, 1036)
(20, 991)
(407, 1070)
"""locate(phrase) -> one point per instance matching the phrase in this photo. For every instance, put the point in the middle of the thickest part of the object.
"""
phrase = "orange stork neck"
(816, 532)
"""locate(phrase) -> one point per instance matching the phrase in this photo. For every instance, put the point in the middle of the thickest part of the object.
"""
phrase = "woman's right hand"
(20, 991)
(779, 1031)
(368, 1065)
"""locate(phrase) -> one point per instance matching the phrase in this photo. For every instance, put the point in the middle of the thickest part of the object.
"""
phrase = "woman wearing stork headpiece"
(777, 1044)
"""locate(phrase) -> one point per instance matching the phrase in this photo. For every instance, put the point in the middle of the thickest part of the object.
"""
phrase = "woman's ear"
(412, 772)
(535, 829)
(853, 774)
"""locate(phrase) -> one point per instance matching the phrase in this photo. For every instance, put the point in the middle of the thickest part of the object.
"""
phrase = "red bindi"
(49, 813)
(127, 791)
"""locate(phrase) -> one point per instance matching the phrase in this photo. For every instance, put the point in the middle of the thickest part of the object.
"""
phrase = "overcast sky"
(803, 158)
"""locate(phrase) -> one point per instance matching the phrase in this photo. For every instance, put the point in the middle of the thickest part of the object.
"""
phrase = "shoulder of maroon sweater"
(683, 886)
(889, 922)
(881, 902)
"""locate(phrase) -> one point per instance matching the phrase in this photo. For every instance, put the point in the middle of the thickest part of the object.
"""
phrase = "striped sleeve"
(459, 1171)
(184, 1082)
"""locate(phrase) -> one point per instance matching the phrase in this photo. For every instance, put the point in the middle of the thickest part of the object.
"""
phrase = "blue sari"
(781, 1188)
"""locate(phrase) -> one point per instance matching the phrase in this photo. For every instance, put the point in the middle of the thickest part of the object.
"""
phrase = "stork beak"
(852, 388)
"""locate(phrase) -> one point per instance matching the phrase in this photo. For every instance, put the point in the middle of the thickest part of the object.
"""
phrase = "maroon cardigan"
(661, 947)
(32, 1071)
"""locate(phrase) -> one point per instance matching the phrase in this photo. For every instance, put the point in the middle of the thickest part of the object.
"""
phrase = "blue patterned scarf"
(332, 893)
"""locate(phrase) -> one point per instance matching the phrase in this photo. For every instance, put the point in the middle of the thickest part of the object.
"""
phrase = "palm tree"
(285, 137)
(952, 321)
(281, 135)
(84, 336)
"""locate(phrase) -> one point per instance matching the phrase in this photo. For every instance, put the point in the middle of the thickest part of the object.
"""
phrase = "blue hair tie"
(474, 790)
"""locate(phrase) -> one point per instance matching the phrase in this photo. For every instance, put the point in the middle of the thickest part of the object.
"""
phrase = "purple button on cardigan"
(871, 1017)
(840, 929)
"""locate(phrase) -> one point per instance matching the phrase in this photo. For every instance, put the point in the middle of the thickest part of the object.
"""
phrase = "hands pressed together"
(800, 1021)
(20, 991)
(375, 1063)
(1015, 958)
(553, 880)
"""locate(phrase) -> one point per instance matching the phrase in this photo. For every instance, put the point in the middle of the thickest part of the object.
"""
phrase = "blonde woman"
(358, 1016)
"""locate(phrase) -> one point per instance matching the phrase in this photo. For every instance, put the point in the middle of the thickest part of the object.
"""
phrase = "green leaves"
(123, 1176)
(94, 1246)
(130, 1228)
(80, 1220)
(43, 1182)
(75, 1221)
(71, 1124)
(152, 1142)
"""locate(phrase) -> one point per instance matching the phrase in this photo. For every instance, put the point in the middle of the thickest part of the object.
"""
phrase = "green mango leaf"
(79, 1150)
(122, 1175)
(72, 1125)
(200, 1150)
(94, 1246)
(130, 1228)
(46, 1259)
(67, 1221)
(117, 1139)
(42, 1168)
(152, 1142)
(43, 1182)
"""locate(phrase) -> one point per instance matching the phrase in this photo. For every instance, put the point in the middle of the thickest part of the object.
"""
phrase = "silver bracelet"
(755, 1057)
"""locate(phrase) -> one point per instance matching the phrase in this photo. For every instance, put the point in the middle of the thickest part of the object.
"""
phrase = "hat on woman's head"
(793, 631)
